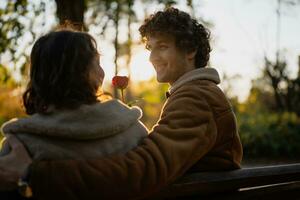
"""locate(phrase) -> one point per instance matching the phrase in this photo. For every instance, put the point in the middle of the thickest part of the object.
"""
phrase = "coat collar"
(210, 74)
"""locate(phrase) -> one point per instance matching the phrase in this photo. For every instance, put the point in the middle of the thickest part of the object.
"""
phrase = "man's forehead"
(159, 38)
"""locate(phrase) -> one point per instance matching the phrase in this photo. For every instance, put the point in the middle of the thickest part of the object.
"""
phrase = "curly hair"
(188, 33)
(59, 72)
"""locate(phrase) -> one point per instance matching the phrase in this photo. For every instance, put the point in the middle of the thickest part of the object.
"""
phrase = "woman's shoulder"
(112, 111)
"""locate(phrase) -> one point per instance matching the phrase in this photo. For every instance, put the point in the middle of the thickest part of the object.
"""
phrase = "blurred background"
(256, 50)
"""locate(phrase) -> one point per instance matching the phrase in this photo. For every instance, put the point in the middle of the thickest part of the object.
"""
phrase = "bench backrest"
(236, 181)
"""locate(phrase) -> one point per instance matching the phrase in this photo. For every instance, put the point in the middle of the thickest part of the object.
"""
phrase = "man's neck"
(186, 71)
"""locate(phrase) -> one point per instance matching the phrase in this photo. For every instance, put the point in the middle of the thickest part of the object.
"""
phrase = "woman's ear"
(191, 55)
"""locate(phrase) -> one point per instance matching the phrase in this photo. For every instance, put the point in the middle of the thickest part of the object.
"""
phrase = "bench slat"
(205, 183)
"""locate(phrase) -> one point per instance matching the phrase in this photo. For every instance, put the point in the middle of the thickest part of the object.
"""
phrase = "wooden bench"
(267, 182)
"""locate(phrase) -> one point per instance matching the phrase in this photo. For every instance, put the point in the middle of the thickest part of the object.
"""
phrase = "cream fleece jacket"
(89, 131)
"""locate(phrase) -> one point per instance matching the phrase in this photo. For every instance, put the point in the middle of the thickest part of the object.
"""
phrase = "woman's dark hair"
(189, 34)
(59, 72)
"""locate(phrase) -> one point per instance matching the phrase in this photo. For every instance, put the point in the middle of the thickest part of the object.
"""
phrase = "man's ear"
(191, 55)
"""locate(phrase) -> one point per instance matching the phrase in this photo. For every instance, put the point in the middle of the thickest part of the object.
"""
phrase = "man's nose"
(154, 57)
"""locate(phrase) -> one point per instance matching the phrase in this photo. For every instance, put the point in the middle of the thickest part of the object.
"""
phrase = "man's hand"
(14, 165)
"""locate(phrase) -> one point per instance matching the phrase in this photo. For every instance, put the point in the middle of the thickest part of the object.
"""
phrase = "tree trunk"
(71, 11)
(129, 45)
(116, 43)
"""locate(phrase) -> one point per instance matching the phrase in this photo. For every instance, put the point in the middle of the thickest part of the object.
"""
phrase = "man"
(196, 131)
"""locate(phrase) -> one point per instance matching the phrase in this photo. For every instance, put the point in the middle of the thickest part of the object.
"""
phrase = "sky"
(242, 32)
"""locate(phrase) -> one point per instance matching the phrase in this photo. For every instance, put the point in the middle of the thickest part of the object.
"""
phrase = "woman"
(67, 119)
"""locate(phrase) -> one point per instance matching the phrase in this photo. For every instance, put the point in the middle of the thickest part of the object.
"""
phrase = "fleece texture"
(86, 132)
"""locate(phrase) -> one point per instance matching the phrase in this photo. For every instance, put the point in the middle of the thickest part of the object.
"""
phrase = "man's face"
(169, 62)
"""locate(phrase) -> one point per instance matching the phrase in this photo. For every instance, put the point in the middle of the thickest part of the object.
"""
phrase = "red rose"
(120, 82)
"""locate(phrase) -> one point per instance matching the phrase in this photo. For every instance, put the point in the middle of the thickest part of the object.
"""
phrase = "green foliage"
(18, 22)
(265, 133)
(4, 74)
(270, 134)
(11, 27)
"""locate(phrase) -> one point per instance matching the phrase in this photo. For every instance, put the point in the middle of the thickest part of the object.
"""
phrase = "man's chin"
(161, 80)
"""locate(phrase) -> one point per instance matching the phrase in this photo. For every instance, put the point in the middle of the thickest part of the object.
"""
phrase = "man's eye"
(148, 47)
(163, 47)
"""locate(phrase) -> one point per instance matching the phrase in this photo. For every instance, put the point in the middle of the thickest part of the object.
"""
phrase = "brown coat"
(197, 131)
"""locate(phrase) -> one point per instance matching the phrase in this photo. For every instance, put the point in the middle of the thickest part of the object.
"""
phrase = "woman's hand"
(13, 165)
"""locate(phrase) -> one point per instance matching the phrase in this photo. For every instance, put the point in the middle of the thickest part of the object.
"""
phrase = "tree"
(285, 89)
(72, 11)
(278, 92)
